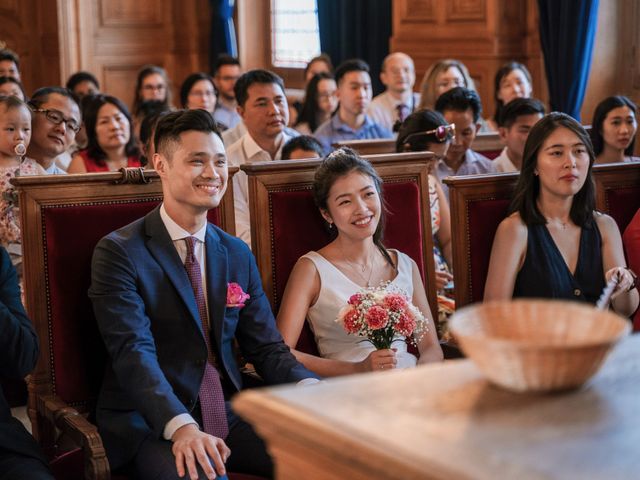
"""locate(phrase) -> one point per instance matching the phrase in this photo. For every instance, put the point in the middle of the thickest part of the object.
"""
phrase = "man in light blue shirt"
(462, 107)
(225, 75)
(351, 122)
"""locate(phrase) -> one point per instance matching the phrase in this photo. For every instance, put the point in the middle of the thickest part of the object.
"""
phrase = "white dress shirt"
(246, 150)
(383, 109)
(503, 163)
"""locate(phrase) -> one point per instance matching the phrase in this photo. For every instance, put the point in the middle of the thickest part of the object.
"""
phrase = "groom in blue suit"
(165, 327)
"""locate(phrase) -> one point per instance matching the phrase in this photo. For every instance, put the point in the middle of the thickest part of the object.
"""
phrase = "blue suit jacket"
(18, 356)
(148, 318)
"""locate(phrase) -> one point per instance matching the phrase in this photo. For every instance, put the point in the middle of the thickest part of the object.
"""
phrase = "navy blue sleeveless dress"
(545, 274)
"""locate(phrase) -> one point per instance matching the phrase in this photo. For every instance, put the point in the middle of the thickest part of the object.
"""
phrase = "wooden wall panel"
(483, 34)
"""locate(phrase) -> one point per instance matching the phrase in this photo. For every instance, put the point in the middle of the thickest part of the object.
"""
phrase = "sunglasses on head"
(441, 133)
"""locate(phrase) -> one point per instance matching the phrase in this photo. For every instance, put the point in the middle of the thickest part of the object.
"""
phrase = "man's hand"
(190, 445)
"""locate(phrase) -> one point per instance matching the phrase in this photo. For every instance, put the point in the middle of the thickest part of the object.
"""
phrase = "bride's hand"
(378, 360)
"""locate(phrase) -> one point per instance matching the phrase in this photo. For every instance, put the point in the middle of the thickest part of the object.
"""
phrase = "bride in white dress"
(347, 191)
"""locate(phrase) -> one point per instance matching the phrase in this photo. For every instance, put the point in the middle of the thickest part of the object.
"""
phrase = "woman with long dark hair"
(111, 144)
(554, 244)
(613, 130)
(320, 103)
(512, 81)
(347, 191)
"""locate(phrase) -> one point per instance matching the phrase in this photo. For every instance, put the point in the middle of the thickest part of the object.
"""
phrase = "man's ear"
(478, 126)
(383, 79)
(240, 111)
(160, 164)
(502, 133)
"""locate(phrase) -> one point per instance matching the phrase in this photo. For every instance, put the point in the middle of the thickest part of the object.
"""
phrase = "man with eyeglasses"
(55, 121)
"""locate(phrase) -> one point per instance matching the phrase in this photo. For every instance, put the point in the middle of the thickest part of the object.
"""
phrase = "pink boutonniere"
(235, 296)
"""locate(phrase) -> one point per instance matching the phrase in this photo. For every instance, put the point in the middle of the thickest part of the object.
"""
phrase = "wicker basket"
(537, 345)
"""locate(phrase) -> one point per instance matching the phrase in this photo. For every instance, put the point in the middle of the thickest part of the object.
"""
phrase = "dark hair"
(144, 73)
(420, 121)
(460, 99)
(323, 57)
(302, 142)
(222, 60)
(353, 65)
(92, 107)
(148, 123)
(337, 164)
(525, 200)
(188, 84)
(5, 79)
(8, 54)
(11, 101)
(309, 112)
(502, 72)
(41, 96)
(173, 124)
(517, 108)
(79, 77)
(241, 88)
(600, 113)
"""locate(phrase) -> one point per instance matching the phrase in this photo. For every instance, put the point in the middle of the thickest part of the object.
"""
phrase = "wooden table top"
(446, 421)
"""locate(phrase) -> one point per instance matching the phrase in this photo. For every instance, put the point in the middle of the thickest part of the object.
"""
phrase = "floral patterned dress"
(10, 234)
(446, 304)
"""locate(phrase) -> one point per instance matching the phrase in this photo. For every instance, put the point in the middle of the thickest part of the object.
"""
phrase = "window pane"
(295, 37)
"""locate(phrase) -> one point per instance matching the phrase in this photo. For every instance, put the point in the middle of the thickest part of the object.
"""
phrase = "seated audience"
(554, 244)
(169, 321)
(512, 80)
(15, 134)
(319, 104)
(11, 86)
(226, 72)
(304, 146)
(152, 84)
(631, 240)
(516, 120)
(613, 130)
(111, 144)
(398, 101)
(462, 107)
(262, 104)
(55, 122)
(83, 84)
(348, 192)
(350, 121)
(197, 91)
(9, 63)
(427, 130)
(20, 455)
(149, 108)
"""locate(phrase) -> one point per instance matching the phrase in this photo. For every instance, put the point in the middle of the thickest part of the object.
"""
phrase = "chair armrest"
(81, 432)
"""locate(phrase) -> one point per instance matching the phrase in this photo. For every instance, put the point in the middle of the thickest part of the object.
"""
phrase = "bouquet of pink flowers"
(381, 313)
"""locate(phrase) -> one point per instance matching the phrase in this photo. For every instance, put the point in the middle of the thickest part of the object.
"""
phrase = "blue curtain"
(223, 32)
(567, 33)
(356, 29)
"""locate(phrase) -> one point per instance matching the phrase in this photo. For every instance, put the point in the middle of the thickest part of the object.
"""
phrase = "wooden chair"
(479, 203)
(488, 144)
(285, 223)
(63, 217)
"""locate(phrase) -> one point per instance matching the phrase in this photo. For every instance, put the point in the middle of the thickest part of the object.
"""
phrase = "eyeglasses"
(441, 133)
(56, 117)
(152, 88)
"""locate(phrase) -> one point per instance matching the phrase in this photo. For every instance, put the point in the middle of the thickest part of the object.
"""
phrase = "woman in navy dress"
(554, 244)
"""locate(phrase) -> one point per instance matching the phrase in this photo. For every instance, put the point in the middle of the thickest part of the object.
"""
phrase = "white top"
(503, 163)
(231, 136)
(383, 109)
(246, 150)
(335, 290)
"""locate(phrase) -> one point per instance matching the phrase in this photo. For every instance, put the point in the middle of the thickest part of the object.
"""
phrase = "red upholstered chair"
(63, 217)
(478, 204)
(285, 223)
(618, 190)
(488, 144)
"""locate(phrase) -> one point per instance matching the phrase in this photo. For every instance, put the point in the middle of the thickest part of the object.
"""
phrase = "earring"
(330, 225)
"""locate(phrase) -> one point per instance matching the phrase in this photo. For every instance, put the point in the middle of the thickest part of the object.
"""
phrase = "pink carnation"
(235, 296)
(376, 317)
(356, 299)
(395, 301)
(405, 325)
(350, 321)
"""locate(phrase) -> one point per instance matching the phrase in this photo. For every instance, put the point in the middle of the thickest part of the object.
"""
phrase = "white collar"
(251, 148)
(176, 232)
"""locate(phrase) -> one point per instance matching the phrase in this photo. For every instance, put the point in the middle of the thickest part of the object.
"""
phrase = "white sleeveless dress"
(335, 290)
